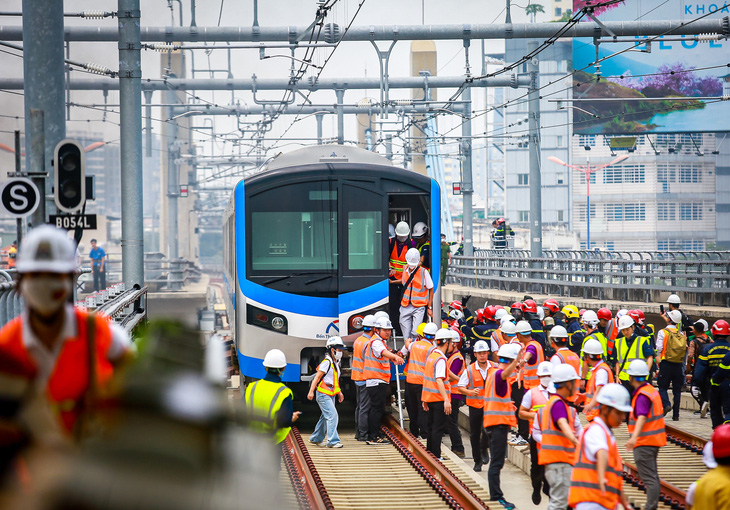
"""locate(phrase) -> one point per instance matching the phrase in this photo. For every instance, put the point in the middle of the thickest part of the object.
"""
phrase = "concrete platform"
(180, 305)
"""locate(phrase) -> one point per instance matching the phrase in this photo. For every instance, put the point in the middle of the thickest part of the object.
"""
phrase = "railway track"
(359, 476)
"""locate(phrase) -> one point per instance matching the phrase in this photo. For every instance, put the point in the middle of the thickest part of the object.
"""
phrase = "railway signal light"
(69, 160)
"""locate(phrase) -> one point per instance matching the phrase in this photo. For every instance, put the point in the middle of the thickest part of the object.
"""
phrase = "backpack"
(676, 346)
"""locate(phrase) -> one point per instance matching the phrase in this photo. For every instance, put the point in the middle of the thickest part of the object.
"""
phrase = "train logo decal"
(333, 328)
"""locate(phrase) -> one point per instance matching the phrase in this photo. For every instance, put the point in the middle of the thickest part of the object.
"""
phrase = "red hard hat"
(457, 305)
(604, 313)
(489, 313)
(500, 220)
(498, 307)
(552, 305)
(637, 315)
(721, 327)
(516, 304)
(529, 306)
(480, 314)
(581, 311)
(721, 439)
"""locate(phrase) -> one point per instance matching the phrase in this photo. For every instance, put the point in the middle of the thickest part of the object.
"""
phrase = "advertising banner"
(648, 86)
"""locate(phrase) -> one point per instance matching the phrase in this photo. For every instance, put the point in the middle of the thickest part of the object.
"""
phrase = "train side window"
(365, 240)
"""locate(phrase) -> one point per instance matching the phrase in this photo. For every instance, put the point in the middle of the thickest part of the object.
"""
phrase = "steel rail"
(308, 487)
(685, 439)
(668, 493)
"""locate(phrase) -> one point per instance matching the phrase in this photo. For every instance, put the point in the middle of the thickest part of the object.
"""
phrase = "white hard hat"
(564, 372)
(481, 346)
(507, 318)
(455, 335)
(391, 231)
(590, 317)
(704, 323)
(499, 314)
(558, 332)
(413, 257)
(524, 328)
(508, 328)
(275, 359)
(674, 299)
(675, 316)
(616, 396)
(508, 351)
(593, 347)
(625, 322)
(443, 335)
(456, 314)
(381, 313)
(545, 369)
(336, 342)
(368, 321)
(540, 312)
(383, 323)
(430, 329)
(419, 229)
(622, 312)
(47, 249)
(638, 368)
(402, 229)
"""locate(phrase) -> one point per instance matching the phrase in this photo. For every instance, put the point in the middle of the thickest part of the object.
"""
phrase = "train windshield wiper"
(277, 279)
(320, 279)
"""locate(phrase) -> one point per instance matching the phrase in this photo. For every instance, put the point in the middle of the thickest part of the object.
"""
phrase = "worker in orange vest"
(597, 478)
(532, 404)
(499, 416)
(527, 378)
(599, 375)
(417, 300)
(456, 365)
(560, 428)
(362, 404)
(504, 335)
(559, 339)
(398, 246)
(646, 426)
(472, 384)
(45, 368)
(418, 351)
(436, 394)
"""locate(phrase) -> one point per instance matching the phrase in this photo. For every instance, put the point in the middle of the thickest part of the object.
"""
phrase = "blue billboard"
(651, 87)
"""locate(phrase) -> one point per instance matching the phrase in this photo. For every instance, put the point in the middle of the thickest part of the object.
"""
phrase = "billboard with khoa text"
(646, 85)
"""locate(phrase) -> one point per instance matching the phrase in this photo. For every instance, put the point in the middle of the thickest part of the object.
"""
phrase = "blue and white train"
(306, 250)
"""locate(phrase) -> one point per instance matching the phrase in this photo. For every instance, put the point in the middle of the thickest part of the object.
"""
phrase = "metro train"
(306, 250)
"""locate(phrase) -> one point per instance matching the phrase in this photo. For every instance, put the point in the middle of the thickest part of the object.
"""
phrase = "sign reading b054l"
(20, 197)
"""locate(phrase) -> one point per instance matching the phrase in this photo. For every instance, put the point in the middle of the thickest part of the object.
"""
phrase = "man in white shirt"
(417, 300)
(471, 384)
(671, 372)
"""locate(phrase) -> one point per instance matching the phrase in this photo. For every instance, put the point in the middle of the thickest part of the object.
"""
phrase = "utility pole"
(467, 187)
(130, 102)
(35, 161)
(533, 123)
(319, 117)
(44, 88)
(340, 93)
(173, 189)
(19, 221)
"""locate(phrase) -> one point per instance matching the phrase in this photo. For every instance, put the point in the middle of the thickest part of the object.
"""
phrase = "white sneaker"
(317, 443)
(705, 408)
(336, 445)
(518, 441)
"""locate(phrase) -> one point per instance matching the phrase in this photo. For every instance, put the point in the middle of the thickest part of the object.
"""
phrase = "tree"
(532, 10)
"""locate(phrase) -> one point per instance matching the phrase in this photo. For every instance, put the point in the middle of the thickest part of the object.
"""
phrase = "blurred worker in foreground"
(597, 478)
(472, 384)
(646, 426)
(560, 429)
(46, 390)
(418, 352)
(499, 416)
(268, 403)
(707, 364)
(417, 300)
(436, 394)
(532, 405)
(326, 384)
(671, 345)
(713, 489)
(709, 460)
(600, 374)
(362, 403)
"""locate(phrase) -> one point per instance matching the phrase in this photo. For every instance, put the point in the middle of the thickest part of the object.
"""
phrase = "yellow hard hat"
(571, 312)
(444, 324)
(419, 329)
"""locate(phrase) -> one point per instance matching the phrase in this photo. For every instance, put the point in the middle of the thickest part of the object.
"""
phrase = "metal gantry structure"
(44, 84)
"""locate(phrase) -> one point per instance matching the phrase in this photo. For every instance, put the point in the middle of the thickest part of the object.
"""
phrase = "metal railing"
(172, 274)
(608, 255)
(128, 308)
(10, 301)
(702, 281)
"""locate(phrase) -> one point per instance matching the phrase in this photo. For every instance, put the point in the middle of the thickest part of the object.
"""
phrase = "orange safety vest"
(69, 381)
(416, 293)
(498, 410)
(611, 335)
(374, 368)
(569, 357)
(538, 400)
(653, 432)
(417, 357)
(476, 381)
(584, 487)
(555, 446)
(499, 337)
(454, 356)
(358, 348)
(591, 387)
(398, 260)
(430, 392)
(330, 389)
(528, 374)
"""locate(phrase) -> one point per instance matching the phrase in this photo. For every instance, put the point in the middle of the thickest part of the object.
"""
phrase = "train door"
(363, 268)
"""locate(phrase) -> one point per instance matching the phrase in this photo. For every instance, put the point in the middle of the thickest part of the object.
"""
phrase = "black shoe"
(667, 409)
(459, 453)
(477, 467)
(675, 418)
(506, 504)
(485, 459)
(536, 496)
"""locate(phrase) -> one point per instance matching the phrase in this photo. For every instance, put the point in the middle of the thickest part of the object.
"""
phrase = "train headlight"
(356, 322)
(278, 323)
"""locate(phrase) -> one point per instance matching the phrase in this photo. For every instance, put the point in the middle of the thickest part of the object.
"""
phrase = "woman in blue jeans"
(326, 385)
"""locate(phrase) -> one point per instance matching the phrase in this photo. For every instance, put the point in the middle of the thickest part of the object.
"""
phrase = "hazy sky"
(350, 60)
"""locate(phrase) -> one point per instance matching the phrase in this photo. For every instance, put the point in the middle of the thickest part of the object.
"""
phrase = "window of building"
(666, 211)
(681, 244)
(625, 212)
(582, 212)
(690, 174)
(582, 178)
(561, 215)
(559, 141)
(624, 174)
(690, 211)
(560, 176)
(523, 179)
(558, 11)
(610, 245)
(524, 216)
(587, 140)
